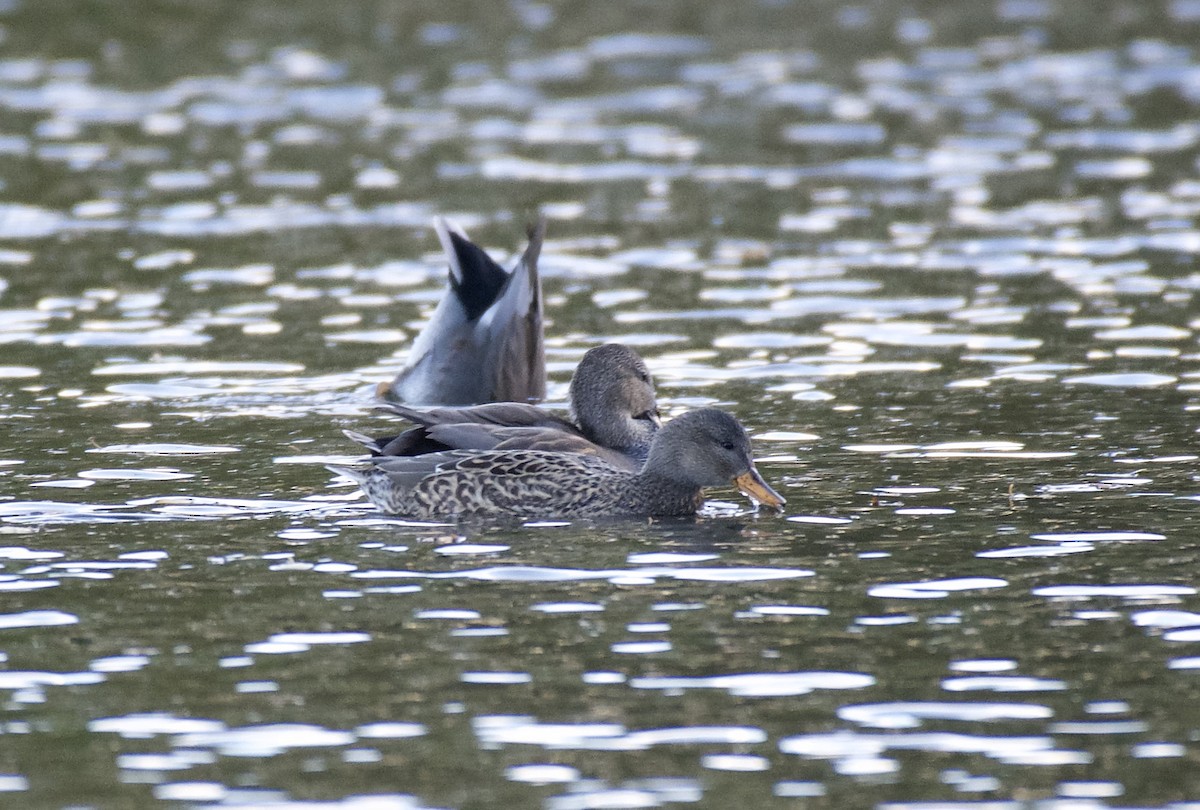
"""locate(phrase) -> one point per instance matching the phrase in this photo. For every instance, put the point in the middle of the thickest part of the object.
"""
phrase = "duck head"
(709, 448)
(612, 397)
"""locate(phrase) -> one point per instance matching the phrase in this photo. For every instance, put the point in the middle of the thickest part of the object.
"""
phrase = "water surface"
(942, 262)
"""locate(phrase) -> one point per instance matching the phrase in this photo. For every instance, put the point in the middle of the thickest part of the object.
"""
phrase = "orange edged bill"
(752, 485)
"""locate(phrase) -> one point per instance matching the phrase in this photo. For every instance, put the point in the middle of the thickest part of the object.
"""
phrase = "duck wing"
(485, 419)
(501, 414)
(491, 437)
(484, 341)
(557, 441)
(436, 438)
(412, 442)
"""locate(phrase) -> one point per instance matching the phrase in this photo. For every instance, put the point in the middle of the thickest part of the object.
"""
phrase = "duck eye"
(728, 445)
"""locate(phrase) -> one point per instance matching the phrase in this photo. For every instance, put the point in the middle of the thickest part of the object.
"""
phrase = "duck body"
(699, 449)
(516, 483)
(484, 341)
(612, 401)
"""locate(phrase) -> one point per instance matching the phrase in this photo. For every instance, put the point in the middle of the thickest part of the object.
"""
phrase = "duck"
(613, 405)
(485, 340)
(699, 449)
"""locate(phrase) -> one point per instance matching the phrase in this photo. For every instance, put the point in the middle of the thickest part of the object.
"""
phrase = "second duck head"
(613, 399)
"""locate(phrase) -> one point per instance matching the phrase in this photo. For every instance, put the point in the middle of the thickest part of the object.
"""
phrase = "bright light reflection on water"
(941, 264)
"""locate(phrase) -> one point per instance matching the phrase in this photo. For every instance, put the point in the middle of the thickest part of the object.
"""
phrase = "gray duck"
(703, 448)
(612, 402)
(484, 341)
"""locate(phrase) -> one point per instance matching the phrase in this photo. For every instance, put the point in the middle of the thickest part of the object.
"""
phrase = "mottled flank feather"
(520, 483)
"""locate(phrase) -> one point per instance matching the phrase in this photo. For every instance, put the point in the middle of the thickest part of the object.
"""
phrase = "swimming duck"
(483, 342)
(612, 401)
(703, 448)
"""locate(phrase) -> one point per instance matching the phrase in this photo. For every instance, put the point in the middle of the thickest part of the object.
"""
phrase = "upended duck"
(484, 341)
(612, 400)
(703, 448)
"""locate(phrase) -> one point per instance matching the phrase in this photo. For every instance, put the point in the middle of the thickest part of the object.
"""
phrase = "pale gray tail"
(354, 474)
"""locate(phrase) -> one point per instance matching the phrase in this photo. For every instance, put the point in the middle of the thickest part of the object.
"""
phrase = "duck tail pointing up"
(475, 278)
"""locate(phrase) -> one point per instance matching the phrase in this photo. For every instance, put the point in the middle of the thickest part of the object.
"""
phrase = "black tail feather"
(412, 442)
(482, 279)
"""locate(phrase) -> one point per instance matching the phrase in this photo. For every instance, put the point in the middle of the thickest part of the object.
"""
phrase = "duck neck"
(662, 495)
(630, 436)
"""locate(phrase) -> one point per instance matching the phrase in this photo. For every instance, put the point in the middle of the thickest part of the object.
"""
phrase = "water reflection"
(940, 263)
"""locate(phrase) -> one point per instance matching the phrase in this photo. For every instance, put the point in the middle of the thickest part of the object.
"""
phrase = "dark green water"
(941, 258)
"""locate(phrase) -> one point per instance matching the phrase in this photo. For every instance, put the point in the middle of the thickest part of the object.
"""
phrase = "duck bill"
(752, 485)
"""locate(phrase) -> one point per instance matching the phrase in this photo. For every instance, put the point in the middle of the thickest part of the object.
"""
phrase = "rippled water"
(942, 262)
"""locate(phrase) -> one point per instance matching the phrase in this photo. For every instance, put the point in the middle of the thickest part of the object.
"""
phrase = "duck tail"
(372, 444)
(356, 474)
(518, 355)
(417, 416)
(477, 281)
